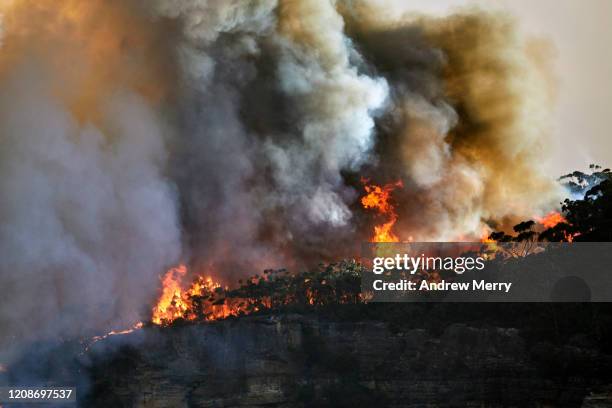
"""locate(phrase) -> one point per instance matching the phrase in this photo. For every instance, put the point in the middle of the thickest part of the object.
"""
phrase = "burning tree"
(584, 219)
(207, 300)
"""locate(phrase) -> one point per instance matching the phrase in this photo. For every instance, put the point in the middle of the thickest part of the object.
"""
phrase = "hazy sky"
(581, 32)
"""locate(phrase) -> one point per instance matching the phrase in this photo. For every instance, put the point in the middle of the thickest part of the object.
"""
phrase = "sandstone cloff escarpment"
(295, 360)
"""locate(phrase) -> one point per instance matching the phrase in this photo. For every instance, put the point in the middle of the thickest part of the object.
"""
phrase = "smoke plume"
(232, 135)
(89, 216)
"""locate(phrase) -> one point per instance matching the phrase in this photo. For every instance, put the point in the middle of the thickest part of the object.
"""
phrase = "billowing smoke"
(276, 107)
(232, 135)
(467, 122)
(89, 216)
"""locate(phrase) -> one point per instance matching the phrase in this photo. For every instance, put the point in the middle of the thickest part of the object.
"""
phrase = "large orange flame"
(172, 303)
(551, 219)
(379, 199)
(197, 301)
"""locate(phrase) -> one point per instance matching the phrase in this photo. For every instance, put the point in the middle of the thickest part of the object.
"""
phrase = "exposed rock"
(304, 361)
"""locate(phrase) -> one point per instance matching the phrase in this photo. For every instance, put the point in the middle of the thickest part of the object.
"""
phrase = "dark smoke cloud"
(232, 135)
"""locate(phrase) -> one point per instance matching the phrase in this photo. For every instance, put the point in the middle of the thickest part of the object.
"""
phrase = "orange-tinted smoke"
(89, 49)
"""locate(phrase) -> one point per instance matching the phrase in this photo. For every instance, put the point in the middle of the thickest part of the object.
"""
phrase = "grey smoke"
(229, 135)
(88, 220)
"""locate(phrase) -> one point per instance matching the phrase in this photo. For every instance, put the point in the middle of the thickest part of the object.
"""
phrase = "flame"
(485, 235)
(95, 339)
(198, 300)
(172, 302)
(551, 219)
(118, 332)
(378, 198)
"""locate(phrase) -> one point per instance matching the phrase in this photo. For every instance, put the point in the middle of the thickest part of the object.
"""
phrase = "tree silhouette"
(588, 214)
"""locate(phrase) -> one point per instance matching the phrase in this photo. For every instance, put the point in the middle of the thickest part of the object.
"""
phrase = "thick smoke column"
(232, 135)
(276, 109)
(467, 123)
(89, 218)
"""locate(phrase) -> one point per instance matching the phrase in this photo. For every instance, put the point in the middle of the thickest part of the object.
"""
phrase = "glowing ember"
(379, 199)
(551, 219)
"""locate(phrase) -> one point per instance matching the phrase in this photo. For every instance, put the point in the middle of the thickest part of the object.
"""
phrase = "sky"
(581, 34)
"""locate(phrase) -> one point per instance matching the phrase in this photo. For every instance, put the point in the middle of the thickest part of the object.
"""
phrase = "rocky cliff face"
(295, 360)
